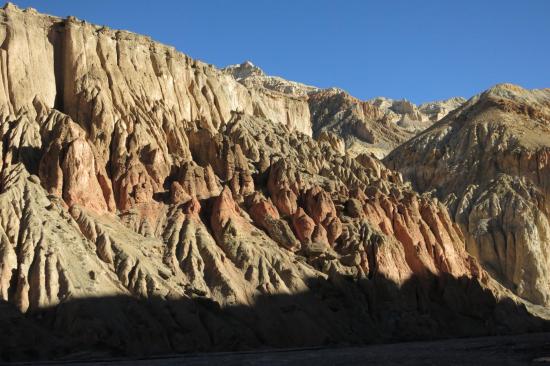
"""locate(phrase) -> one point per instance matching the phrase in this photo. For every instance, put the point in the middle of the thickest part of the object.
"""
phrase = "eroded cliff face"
(144, 193)
(363, 127)
(489, 162)
(376, 126)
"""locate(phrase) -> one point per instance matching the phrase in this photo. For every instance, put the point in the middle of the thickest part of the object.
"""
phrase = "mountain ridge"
(493, 151)
(374, 126)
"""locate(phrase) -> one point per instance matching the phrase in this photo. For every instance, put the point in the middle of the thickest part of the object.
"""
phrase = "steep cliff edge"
(151, 203)
(488, 161)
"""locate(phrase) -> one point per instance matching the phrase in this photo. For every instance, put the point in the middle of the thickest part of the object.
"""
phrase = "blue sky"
(416, 49)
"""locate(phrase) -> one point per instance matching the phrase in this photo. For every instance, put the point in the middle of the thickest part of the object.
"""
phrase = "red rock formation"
(224, 210)
(192, 207)
(280, 188)
(266, 216)
(81, 186)
(260, 208)
(226, 159)
(134, 187)
(70, 169)
(320, 207)
(303, 225)
(431, 241)
(178, 194)
(194, 181)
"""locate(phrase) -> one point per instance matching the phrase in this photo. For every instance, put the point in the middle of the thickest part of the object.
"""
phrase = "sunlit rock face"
(376, 126)
(489, 162)
(151, 203)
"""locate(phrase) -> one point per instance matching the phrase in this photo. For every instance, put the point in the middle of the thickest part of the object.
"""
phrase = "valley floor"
(529, 349)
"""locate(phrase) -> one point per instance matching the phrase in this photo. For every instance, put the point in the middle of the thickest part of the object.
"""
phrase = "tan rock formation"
(333, 140)
(437, 110)
(489, 162)
(148, 206)
(376, 126)
(364, 126)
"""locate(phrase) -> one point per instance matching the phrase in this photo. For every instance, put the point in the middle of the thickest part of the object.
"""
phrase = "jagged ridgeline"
(150, 203)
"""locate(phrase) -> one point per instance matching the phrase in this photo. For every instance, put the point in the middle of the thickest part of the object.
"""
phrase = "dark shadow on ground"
(339, 311)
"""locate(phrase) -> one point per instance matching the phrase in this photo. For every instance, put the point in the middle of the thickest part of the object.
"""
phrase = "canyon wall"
(151, 204)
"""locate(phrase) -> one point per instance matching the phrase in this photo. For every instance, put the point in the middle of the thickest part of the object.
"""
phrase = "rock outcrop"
(488, 161)
(273, 97)
(151, 204)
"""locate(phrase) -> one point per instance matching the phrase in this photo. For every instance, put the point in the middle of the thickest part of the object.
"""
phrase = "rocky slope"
(488, 161)
(151, 204)
(376, 126)
(363, 127)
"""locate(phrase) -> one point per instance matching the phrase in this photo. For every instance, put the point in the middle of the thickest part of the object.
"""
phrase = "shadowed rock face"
(489, 161)
(130, 171)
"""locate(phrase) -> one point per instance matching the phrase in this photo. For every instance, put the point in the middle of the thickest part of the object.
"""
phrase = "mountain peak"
(10, 6)
(244, 70)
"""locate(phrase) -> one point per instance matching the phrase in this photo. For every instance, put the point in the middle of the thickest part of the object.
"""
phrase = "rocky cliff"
(151, 204)
(488, 161)
(376, 126)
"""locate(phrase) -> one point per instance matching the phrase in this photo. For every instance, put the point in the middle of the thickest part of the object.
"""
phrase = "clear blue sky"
(416, 49)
